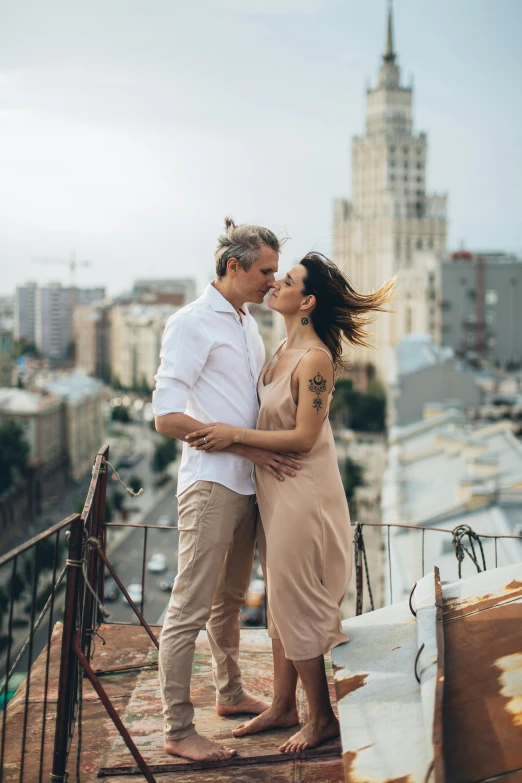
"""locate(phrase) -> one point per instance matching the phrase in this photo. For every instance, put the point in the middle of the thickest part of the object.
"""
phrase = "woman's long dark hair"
(340, 309)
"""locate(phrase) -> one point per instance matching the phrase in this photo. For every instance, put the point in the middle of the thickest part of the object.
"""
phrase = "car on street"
(111, 590)
(166, 582)
(157, 563)
(253, 611)
(252, 615)
(135, 592)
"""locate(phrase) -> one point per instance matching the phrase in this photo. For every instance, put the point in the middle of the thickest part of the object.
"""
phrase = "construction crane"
(72, 263)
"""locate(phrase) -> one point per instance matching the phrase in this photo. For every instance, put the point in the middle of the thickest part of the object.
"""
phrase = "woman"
(304, 535)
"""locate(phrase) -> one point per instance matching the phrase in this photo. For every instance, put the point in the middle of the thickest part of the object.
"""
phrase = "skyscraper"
(391, 225)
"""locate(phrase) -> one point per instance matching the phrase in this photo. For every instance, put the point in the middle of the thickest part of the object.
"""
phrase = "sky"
(130, 128)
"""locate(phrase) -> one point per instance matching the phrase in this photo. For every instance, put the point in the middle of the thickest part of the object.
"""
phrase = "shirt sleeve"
(185, 347)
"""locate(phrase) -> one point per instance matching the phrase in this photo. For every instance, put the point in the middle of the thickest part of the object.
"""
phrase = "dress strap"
(315, 348)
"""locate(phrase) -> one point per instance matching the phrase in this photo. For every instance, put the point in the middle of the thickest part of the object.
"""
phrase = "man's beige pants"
(215, 555)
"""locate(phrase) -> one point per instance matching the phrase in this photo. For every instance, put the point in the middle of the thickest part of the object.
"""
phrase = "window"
(419, 244)
(491, 297)
(430, 243)
(419, 165)
(419, 179)
(392, 164)
(405, 178)
(392, 177)
(406, 150)
(392, 149)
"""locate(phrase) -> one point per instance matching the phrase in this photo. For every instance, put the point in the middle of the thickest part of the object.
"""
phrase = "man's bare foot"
(198, 748)
(310, 736)
(249, 706)
(269, 719)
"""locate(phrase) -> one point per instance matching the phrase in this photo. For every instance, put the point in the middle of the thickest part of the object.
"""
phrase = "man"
(211, 357)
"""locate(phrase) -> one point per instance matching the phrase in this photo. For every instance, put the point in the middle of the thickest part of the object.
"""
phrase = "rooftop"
(22, 402)
(416, 351)
(74, 387)
(135, 694)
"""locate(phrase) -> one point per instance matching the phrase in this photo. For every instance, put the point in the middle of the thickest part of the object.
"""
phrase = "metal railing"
(465, 543)
(32, 580)
(73, 555)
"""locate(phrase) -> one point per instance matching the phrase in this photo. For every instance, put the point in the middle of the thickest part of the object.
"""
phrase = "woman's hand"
(214, 437)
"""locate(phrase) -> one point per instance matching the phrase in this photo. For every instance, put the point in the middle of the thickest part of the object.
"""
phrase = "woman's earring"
(304, 321)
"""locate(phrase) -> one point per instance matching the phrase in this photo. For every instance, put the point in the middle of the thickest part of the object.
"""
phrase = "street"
(128, 559)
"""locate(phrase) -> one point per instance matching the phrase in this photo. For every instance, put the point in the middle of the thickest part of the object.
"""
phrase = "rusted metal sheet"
(379, 699)
(483, 689)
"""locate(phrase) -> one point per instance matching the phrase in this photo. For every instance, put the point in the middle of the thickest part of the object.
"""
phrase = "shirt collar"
(218, 302)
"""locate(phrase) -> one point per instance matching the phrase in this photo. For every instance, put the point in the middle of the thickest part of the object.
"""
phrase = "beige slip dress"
(304, 534)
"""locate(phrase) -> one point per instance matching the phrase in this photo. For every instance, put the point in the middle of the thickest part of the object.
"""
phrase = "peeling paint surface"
(511, 680)
(379, 700)
(483, 686)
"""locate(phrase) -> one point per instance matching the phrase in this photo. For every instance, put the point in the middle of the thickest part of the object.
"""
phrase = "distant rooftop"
(416, 351)
(74, 388)
(498, 256)
(21, 401)
(445, 472)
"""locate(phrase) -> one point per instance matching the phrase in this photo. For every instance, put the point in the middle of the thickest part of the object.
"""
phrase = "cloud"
(275, 6)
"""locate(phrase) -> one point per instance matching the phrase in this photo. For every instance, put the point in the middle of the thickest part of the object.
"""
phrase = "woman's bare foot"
(311, 735)
(198, 748)
(250, 705)
(269, 719)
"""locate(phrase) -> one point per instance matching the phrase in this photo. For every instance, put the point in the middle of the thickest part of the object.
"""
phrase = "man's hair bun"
(229, 223)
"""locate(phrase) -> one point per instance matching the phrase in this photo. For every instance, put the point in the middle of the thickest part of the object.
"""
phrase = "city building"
(266, 323)
(136, 332)
(25, 312)
(426, 374)
(7, 304)
(41, 417)
(43, 316)
(92, 339)
(6, 358)
(82, 397)
(443, 472)
(176, 291)
(481, 300)
(392, 225)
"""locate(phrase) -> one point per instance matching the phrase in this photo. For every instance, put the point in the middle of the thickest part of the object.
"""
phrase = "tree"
(14, 452)
(356, 410)
(165, 452)
(135, 483)
(24, 348)
(352, 478)
(117, 499)
(120, 413)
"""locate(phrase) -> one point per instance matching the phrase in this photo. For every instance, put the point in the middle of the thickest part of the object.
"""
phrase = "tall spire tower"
(390, 226)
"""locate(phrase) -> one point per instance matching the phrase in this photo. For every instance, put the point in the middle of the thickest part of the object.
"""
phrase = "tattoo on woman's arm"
(317, 385)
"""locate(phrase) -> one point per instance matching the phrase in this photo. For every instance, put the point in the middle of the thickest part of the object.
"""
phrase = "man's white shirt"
(211, 359)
